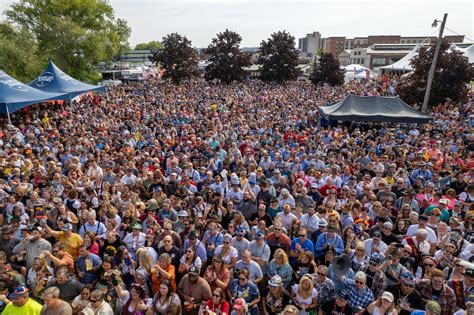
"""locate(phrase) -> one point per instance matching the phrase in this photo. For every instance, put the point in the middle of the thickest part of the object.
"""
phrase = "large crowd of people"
(204, 199)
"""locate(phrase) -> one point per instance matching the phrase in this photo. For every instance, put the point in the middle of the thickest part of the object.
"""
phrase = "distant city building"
(310, 44)
(334, 45)
(136, 56)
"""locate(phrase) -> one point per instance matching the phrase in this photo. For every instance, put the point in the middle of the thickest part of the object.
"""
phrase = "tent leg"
(8, 115)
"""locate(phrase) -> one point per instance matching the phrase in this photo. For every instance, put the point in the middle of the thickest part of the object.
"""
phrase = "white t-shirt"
(413, 229)
(227, 258)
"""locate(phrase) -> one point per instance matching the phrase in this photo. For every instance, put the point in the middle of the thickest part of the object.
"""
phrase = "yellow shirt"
(30, 308)
(71, 244)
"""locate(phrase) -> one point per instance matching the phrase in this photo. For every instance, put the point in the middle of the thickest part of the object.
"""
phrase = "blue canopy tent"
(54, 80)
(15, 95)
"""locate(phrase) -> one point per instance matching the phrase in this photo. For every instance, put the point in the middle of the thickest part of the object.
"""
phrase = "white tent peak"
(404, 63)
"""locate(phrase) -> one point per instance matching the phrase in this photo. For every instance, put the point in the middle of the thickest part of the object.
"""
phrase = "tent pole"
(8, 115)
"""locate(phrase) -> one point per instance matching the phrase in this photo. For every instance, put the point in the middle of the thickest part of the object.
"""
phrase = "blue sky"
(255, 20)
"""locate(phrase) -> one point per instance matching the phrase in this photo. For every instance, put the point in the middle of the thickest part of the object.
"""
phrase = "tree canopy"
(153, 45)
(227, 60)
(453, 73)
(178, 58)
(279, 58)
(77, 35)
(327, 70)
(19, 53)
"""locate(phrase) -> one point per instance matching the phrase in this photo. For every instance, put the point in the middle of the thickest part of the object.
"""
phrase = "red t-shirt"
(224, 307)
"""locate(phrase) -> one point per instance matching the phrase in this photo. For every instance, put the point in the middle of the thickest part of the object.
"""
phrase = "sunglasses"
(322, 274)
(408, 285)
(242, 279)
(429, 265)
(373, 264)
(302, 235)
(277, 229)
(359, 282)
(226, 242)
(93, 301)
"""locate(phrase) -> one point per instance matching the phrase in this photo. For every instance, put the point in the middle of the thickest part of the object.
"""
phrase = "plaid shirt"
(447, 299)
(358, 298)
(379, 282)
(326, 290)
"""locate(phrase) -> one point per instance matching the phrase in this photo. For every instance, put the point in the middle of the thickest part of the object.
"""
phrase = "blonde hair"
(144, 259)
(311, 285)
(280, 252)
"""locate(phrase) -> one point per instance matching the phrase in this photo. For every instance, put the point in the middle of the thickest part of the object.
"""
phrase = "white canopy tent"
(469, 53)
(404, 63)
(357, 72)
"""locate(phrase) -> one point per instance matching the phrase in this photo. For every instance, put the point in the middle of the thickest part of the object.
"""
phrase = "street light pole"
(424, 108)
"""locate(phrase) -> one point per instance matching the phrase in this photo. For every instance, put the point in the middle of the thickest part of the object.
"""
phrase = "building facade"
(311, 43)
(334, 45)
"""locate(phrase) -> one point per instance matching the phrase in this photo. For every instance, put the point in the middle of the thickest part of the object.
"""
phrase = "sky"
(255, 20)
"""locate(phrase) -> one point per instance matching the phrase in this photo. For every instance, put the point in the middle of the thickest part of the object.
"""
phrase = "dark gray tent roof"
(373, 108)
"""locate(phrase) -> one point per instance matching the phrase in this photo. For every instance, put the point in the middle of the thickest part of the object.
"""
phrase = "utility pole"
(424, 108)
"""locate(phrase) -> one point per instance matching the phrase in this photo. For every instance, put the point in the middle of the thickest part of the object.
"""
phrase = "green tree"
(19, 57)
(77, 35)
(327, 70)
(452, 75)
(279, 58)
(153, 45)
(227, 60)
(178, 58)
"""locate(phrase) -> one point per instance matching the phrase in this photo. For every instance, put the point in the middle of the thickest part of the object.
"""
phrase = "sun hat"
(275, 281)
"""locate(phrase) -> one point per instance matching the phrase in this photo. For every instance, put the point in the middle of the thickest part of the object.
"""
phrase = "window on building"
(378, 61)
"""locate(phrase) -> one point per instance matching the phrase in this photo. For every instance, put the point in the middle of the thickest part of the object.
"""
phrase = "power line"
(459, 34)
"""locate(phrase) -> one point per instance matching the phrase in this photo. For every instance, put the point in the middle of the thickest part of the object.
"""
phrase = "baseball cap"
(443, 201)
(343, 295)
(408, 278)
(18, 291)
(239, 303)
(240, 231)
(192, 234)
(182, 214)
(377, 234)
(137, 226)
(193, 270)
(259, 235)
(67, 227)
(323, 222)
(388, 296)
(376, 257)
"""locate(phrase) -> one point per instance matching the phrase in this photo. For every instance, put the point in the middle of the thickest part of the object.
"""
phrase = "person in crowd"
(82, 300)
(242, 288)
(436, 289)
(383, 305)
(20, 303)
(277, 297)
(53, 304)
(217, 304)
(339, 305)
(193, 290)
(304, 295)
(165, 298)
(360, 295)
